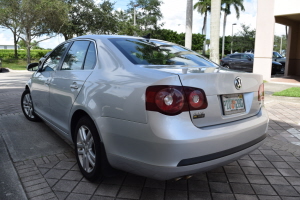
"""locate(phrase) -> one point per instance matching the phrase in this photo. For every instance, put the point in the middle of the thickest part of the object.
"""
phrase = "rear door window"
(237, 56)
(74, 59)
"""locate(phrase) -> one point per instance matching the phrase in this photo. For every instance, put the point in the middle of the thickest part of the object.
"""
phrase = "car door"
(67, 82)
(235, 61)
(246, 63)
(41, 80)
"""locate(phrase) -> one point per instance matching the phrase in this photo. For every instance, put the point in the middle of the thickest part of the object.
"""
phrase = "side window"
(54, 58)
(238, 56)
(244, 56)
(90, 59)
(75, 57)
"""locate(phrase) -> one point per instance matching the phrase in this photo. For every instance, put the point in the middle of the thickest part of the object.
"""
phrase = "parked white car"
(145, 106)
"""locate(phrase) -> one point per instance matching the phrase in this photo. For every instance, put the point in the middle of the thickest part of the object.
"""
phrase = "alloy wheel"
(86, 149)
(27, 105)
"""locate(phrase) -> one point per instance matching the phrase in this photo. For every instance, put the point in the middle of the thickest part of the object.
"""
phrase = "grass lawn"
(291, 92)
(15, 64)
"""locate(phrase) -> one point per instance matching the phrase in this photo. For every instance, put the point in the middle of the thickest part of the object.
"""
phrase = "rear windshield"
(145, 52)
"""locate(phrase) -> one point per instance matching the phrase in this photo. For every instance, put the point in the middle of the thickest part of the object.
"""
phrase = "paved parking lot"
(46, 168)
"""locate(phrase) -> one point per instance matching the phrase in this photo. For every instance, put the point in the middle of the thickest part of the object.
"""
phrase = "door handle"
(74, 85)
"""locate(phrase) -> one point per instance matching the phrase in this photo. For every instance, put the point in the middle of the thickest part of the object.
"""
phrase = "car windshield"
(152, 52)
(277, 55)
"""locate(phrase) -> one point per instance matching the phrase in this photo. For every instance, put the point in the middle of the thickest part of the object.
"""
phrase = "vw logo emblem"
(238, 83)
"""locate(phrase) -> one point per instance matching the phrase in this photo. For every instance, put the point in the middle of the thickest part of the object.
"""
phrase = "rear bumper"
(166, 173)
(170, 147)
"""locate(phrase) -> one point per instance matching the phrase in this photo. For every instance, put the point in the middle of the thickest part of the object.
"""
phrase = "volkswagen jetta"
(145, 106)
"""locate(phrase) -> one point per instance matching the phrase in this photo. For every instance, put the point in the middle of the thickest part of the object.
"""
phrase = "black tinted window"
(53, 60)
(90, 59)
(245, 56)
(238, 56)
(75, 57)
(143, 52)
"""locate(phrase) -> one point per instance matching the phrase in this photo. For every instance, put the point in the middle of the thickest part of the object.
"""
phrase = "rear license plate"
(233, 103)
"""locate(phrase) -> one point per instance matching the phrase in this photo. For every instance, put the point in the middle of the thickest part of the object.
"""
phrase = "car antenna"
(147, 37)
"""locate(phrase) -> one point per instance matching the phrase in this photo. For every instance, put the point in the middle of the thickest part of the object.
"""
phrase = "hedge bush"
(10, 54)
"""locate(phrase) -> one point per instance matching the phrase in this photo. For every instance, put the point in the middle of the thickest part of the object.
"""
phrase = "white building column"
(264, 39)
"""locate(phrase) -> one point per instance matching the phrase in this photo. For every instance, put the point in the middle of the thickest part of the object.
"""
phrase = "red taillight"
(196, 98)
(261, 92)
(172, 100)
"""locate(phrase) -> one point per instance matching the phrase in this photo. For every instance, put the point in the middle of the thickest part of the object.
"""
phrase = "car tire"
(88, 149)
(226, 66)
(27, 107)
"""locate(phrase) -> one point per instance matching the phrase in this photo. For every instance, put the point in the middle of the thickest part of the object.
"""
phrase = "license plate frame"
(233, 103)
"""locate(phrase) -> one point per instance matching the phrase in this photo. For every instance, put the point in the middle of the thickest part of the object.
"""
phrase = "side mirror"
(33, 67)
(249, 58)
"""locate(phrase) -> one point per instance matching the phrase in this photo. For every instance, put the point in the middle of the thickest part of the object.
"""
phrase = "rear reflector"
(261, 92)
(172, 100)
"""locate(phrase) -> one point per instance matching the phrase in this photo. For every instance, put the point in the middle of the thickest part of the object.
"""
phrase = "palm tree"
(215, 30)
(237, 5)
(203, 7)
(189, 23)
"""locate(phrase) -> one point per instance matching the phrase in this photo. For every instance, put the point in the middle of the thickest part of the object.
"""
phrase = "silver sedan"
(145, 106)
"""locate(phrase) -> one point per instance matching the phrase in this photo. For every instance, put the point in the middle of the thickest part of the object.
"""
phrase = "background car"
(244, 62)
(279, 58)
(145, 106)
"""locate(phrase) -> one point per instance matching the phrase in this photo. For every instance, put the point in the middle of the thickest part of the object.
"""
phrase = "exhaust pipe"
(183, 178)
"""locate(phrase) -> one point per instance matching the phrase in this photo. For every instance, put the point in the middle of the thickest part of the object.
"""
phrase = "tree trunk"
(66, 37)
(223, 39)
(215, 30)
(28, 46)
(189, 24)
(204, 33)
(15, 44)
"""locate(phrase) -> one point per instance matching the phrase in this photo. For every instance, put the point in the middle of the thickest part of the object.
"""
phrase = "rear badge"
(238, 83)
(198, 115)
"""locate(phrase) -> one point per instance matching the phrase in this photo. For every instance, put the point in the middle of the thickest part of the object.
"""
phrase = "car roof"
(95, 37)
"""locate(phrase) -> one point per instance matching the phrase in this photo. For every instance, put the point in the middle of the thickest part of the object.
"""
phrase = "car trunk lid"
(230, 96)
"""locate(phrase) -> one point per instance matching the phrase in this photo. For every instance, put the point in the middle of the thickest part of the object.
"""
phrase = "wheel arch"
(75, 118)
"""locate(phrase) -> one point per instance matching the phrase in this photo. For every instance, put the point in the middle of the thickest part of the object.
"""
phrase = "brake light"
(261, 92)
(196, 98)
(172, 100)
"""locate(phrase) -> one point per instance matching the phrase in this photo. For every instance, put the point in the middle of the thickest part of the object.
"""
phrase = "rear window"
(144, 52)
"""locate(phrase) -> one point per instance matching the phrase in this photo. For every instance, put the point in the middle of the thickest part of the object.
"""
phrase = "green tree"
(34, 44)
(244, 40)
(41, 17)
(104, 21)
(203, 7)
(280, 41)
(10, 19)
(124, 24)
(227, 45)
(237, 5)
(147, 15)
(86, 17)
(179, 38)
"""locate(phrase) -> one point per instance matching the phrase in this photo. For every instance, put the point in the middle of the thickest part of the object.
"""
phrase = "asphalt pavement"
(35, 163)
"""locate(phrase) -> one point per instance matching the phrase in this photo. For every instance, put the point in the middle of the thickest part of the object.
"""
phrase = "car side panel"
(63, 94)
(40, 92)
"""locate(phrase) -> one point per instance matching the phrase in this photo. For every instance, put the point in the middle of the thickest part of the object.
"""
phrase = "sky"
(174, 13)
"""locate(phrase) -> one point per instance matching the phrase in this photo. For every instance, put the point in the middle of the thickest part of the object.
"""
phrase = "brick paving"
(270, 172)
